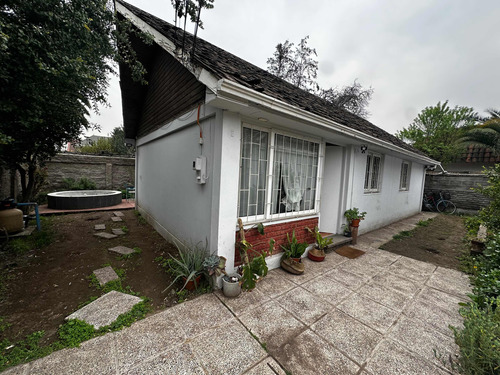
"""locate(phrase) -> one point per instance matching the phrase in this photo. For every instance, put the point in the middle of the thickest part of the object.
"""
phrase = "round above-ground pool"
(78, 199)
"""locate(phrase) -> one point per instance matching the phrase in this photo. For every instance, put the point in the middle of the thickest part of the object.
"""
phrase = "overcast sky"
(413, 53)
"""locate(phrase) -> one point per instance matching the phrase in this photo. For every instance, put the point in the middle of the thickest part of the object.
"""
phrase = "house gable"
(171, 90)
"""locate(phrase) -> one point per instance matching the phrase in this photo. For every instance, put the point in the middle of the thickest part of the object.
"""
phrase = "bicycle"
(439, 202)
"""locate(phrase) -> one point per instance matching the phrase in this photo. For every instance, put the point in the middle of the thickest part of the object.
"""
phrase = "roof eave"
(231, 90)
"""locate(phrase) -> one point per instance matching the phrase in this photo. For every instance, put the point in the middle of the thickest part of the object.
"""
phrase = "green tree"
(115, 144)
(353, 98)
(486, 134)
(437, 130)
(298, 65)
(99, 147)
(55, 60)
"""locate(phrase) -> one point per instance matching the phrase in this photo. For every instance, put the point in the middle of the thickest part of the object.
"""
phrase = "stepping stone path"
(116, 218)
(106, 309)
(118, 213)
(117, 231)
(105, 275)
(122, 250)
(100, 227)
(105, 235)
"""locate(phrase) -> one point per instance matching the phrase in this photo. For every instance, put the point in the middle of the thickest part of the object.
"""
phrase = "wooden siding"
(172, 90)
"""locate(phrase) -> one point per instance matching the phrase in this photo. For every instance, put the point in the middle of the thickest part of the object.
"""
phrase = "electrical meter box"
(200, 167)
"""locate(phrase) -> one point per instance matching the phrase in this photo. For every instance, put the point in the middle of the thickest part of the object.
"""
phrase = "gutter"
(226, 87)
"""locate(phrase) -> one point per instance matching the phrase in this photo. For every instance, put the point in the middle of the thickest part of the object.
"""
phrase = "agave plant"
(188, 264)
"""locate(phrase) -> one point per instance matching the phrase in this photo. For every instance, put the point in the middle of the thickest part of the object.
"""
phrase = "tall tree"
(353, 98)
(486, 134)
(55, 60)
(295, 64)
(298, 65)
(437, 130)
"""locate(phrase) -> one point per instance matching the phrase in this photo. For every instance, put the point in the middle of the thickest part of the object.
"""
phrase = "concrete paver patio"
(378, 314)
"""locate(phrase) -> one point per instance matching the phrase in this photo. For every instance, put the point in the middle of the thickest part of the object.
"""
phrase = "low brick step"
(338, 241)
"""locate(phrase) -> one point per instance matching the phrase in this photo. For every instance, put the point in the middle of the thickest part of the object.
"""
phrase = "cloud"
(413, 53)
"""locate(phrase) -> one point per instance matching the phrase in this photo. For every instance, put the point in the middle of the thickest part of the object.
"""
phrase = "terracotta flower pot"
(355, 223)
(316, 255)
(190, 284)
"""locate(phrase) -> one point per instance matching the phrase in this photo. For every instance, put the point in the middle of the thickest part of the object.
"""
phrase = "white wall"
(390, 204)
(167, 192)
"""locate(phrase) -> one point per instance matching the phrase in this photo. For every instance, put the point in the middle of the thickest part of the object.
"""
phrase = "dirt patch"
(42, 287)
(440, 243)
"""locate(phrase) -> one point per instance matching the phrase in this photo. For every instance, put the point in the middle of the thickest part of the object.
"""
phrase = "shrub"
(490, 215)
(82, 184)
(479, 340)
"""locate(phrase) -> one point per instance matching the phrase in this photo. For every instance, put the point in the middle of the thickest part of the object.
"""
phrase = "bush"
(479, 340)
(490, 215)
(83, 184)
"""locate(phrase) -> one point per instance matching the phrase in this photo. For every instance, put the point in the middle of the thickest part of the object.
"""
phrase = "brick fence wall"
(108, 172)
(278, 232)
(459, 186)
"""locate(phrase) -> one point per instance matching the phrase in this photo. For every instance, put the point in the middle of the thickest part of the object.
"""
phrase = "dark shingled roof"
(223, 64)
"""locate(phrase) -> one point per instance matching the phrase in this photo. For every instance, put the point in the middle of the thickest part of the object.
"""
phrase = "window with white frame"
(278, 175)
(404, 181)
(373, 172)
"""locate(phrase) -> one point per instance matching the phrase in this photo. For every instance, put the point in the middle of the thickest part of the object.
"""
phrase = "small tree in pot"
(318, 253)
(353, 216)
(292, 254)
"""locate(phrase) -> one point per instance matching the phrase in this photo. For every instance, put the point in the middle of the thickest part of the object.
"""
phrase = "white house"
(218, 138)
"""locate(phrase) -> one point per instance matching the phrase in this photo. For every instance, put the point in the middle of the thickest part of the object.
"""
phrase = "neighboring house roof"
(477, 154)
(225, 65)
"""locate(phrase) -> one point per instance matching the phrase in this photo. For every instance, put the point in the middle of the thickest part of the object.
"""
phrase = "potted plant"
(317, 254)
(188, 266)
(347, 230)
(214, 266)
(353, 216)
(291, 260)
(252, 270)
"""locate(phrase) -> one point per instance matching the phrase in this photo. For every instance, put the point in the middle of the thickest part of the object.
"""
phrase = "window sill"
(267, 222)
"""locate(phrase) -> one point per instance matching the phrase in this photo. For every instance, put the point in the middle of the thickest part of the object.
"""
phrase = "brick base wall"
(460, 187)
(278, 232)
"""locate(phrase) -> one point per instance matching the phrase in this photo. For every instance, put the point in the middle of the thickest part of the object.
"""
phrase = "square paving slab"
(390, 358)
(105, 275)
(106, 309)
(105, 235)
(345, 333)
(308, 354)
(116, 218)
(228, 350)
(267, 366)
(371, 313)
(122, 250)
(117, 231)
(304, 305)
(273, 325)
(118, 213)
(176, 361)
(100, 227)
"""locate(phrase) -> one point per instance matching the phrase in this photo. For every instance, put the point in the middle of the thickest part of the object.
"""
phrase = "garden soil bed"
(39, 288)
(440, 243)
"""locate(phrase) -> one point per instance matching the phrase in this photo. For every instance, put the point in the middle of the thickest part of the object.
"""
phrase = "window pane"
(253, 172)
(375, 173)
(367, 172)
(294, 180)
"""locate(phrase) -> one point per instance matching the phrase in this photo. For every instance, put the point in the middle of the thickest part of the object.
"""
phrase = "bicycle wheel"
(446, 207)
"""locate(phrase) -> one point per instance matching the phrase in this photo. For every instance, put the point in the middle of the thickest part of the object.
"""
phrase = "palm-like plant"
(486, 134)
